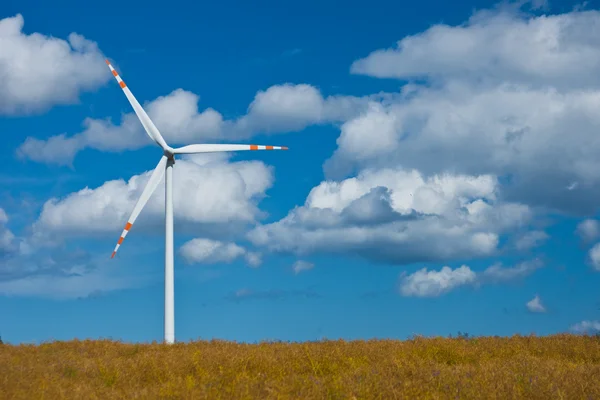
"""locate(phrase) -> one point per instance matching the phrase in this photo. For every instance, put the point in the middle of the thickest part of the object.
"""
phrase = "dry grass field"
(553, 367)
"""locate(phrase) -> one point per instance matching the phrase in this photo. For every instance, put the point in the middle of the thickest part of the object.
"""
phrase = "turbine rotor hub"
(169, 154)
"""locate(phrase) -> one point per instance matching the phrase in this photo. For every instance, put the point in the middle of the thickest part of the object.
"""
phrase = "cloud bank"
(40, 71)
(432, 283)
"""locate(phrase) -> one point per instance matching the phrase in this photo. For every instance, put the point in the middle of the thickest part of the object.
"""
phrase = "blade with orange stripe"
(153, 182)
(147, 123)
(214, 148)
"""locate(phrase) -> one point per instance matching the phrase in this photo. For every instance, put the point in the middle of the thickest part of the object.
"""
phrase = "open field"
(561, 367)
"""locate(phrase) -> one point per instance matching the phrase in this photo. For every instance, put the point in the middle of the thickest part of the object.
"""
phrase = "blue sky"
(445, 184)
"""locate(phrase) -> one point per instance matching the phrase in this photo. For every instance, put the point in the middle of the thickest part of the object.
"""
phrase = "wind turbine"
(165, 168)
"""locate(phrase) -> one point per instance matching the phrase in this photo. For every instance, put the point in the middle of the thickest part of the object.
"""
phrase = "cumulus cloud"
(39, 71)
(588, 230)
(301, 266)
(507, 131)
(397, 216)
(480, 112)
(441, 171)
(7, 238)
(432, 283)
(505, 94)
(535, 305)
(586, 327)
(498, 274)
(254, 259)
(594, 256)
(208, 251)
(425, 283)
(280, 108)
(211, 195)
(499, 46)
(206, 191)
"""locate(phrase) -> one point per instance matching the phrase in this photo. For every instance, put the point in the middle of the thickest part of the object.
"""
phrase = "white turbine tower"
(166, 164)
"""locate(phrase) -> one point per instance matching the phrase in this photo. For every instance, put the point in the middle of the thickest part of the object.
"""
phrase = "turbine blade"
(147, 123)
(214, 148)
(153, 182)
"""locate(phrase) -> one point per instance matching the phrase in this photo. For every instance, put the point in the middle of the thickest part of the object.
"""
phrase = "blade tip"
(107, 62)
(113, 254)
(284, 148)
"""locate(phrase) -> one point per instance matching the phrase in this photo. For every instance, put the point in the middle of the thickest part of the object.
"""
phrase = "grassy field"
(554, 367)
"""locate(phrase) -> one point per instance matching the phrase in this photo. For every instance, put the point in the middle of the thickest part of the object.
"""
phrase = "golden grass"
(553, 367)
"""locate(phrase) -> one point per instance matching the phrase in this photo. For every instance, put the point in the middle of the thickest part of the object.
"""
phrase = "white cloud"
(206, 191)
(498, 46)
(487, 109)
(535, 305)
(253, 259)
(588, 230)
(507, 131)
(497, 273)
(208, 251)
(424, 283)
(371, 133)
(301, 266)
(485, 119)
(39, 71)
(594, 255)
(531, 239)
(398, 216)
(586, 327)
(281, 108)
(285, 107)
(7, 238)
(58, 149)
(441, 171)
